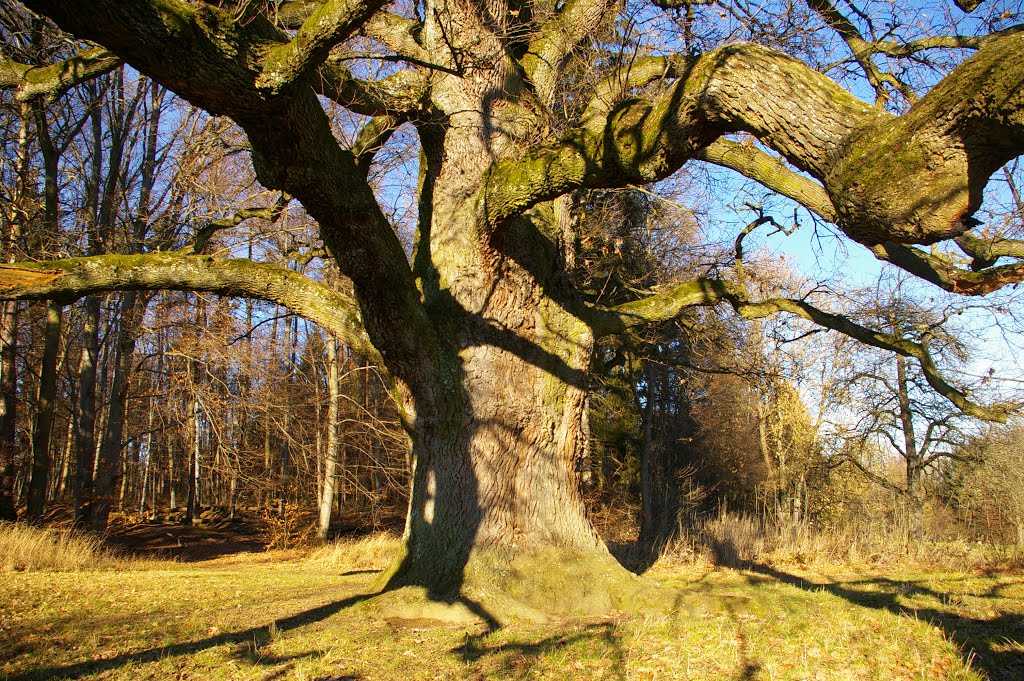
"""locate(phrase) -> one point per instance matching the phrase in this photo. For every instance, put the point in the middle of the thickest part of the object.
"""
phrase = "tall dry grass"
(737, 540)
(371, 553)
(23, 547)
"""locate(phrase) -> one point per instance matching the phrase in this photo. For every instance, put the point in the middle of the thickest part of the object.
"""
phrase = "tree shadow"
(188, 543)
(249, 639)
(636, 556)
(514, 660)
(983, 642)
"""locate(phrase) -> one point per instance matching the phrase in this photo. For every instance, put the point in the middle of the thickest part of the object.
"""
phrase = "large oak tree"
(487, 339)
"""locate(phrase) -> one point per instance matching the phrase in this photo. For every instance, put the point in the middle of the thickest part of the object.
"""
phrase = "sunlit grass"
(23, 547)
(287, 616)
(374, 552)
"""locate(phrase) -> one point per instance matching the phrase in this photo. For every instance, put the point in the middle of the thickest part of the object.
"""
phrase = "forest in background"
(179, 406)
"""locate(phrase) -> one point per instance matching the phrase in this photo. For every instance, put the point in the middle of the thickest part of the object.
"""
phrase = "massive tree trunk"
(496, 498)
(498, 437)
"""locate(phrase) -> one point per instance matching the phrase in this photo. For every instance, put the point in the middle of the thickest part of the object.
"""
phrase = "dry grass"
(737, 541)
(23, 547)
(371, 553)
(302, 619)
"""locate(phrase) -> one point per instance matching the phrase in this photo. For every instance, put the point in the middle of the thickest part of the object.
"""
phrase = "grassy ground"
(307, 616)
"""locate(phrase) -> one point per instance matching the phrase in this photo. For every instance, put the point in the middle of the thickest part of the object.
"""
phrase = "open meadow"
(310, 614)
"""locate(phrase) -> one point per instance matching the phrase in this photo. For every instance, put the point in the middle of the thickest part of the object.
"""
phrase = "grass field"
(302, 615)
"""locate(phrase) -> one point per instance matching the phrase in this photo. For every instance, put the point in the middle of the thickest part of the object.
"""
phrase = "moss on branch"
(72, 278)
(50, 82)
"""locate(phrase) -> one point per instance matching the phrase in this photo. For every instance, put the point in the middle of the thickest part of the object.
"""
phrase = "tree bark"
(110, 469)
(85, 434)
(39, 481)
(498, 441)
(332, 445)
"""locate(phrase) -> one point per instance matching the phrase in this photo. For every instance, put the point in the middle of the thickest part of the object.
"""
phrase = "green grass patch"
(292, 617)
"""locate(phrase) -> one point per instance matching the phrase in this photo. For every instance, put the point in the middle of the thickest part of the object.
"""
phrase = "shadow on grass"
(515, 660)
(979, 639)
(253, 639)
(635, 556)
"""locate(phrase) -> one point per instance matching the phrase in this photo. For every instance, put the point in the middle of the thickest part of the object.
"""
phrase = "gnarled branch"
(73, 278)
(328, 25)
(50, 82)
(947, 275)
(916, 178)
(709, 292)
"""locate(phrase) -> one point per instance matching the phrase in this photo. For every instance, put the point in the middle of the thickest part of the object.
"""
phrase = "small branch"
(268, 213)
(862, 51)
(546, 55)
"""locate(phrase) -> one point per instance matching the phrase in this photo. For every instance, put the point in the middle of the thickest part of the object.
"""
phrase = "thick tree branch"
(914, 178)
(68, 280)
(398, 34)
(546, 55)
(328, 25)
(709, 292)
(50, 82)
(771, 172)
(947, 275)
(291, 14)
(988, 250)
(398, 94)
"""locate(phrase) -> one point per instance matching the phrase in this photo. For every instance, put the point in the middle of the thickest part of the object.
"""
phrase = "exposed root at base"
(496, 589)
